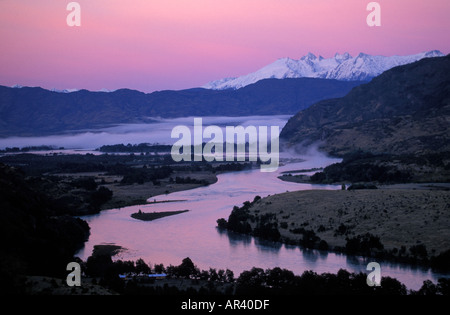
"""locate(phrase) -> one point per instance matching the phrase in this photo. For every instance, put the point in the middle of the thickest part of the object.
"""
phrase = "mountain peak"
(64, 90)
(105, 90)
(340, 67)
(309, 56)
(433, 53)
(362, 55)
(344, 56)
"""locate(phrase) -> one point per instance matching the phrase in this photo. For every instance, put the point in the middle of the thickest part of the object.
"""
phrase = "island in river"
(150, 216)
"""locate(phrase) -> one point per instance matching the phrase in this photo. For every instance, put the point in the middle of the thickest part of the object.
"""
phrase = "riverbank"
(405, 224)
(140, 194)
(87, 184)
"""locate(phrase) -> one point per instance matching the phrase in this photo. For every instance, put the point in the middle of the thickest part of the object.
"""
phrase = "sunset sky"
(153, 45)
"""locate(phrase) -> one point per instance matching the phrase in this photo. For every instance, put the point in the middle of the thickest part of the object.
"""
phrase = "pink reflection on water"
(194, 234)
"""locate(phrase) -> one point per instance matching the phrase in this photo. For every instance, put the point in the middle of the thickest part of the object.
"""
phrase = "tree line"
(256, 281)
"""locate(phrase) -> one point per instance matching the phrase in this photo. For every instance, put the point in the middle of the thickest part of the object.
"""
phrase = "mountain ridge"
(31, 111)
(405, 110)
(344, 67)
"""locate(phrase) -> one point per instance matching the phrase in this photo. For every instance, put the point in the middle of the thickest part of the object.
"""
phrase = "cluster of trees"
(364, 172)
(101, 265)
(418, 254)
(361, 186)
(73, 196)
(107, 271)
(309, 239)
(441, 261)
(266, 227)
(136, 148)
(188, 270)
(29, 148)
(282, 281)
(87, 183)
(363, 244)
(232, 167)
(38, 165)
(97, 196)
(256, 281)
(238, 220)
(142, 175)
(361, 166)
(188, 180)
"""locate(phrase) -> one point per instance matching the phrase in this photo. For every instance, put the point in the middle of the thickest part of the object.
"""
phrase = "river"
(194, 234)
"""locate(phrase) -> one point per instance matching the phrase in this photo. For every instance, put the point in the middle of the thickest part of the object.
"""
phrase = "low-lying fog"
(158, 131)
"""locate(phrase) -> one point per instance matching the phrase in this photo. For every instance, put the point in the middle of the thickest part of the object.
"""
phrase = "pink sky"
(177, 44)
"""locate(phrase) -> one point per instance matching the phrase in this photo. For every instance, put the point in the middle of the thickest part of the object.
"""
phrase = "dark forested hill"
(38, 237)
(36, 111)
(405, 110)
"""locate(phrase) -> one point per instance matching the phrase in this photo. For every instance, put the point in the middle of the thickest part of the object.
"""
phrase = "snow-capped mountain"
(18, 86)
(64, 90)
(104, 90)
(340, 67)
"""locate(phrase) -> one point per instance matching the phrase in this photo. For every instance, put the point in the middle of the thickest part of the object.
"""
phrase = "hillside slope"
(39, 238)
(405, 110)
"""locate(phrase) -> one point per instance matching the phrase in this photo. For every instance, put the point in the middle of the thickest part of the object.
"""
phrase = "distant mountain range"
(18, 86)
(35, 111)
(346, 114)
(340, 67)
(405, 110)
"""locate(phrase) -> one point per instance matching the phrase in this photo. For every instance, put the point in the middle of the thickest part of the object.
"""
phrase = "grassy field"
(399, 217)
